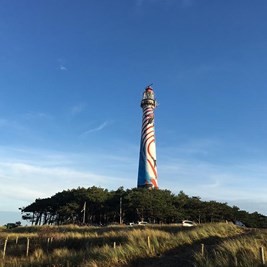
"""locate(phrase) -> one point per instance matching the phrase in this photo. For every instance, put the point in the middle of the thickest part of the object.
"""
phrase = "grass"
(239, 251)
(168, 245)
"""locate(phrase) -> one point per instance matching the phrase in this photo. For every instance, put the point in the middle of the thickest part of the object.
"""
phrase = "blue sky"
(72, 74)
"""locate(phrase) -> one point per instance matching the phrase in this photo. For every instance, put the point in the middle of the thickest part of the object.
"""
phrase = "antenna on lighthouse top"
(149, 85)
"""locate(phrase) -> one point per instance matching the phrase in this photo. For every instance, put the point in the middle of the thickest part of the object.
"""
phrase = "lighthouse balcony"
(146, 102)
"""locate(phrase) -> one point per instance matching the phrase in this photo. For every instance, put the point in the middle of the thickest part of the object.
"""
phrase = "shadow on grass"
(63, 229)
(183, 256)
(48, 246)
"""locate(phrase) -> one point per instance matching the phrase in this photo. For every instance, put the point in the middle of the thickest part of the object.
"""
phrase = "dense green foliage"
(132, 205)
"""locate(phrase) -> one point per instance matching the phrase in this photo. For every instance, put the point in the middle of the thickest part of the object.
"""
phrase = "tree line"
(99, 206)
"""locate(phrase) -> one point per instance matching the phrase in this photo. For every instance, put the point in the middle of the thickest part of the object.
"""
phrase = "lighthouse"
(147, 172)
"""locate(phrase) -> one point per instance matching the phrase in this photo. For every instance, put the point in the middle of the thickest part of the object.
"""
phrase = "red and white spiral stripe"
(148, 145)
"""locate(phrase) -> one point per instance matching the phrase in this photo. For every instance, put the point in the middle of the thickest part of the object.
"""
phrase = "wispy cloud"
(25, 182)
(11, 124)
(196, 147)
(36, 115)
(96, 129)
(202, 168)
(61, 64)
(63, 68)
(215, 181)
(20, 124)
(31, 173)
(76, 109)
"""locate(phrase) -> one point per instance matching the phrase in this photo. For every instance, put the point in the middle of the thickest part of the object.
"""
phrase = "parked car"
(187, 223)
(238, 223)
(142, 223)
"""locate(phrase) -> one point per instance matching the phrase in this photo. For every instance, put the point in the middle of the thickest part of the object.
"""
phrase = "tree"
(138, 204)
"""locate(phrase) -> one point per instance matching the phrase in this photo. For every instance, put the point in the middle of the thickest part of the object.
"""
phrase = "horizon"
(72, 79)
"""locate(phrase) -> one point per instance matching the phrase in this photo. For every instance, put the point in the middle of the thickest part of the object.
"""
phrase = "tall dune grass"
(123, 246)
(239, 251)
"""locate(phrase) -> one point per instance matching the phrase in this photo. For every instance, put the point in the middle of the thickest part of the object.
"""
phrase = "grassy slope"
(225, 245)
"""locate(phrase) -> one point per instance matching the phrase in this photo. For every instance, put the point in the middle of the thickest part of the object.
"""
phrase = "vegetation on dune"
(58, 238)
(154, 206)
(243, 250)
(154, 245)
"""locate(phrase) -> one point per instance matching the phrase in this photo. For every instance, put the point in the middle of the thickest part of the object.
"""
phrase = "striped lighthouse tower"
(147, 173)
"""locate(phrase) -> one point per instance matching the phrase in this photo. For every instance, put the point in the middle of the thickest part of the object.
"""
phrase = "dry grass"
(240, 251)
(70, 245)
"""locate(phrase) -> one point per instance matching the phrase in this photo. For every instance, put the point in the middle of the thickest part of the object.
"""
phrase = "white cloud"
(234, 181)
(96, 129)
(26, 182)
(78, 108)
(62, 64)
(203, 168)
(11, 124)
(63, 68)
(36, 115)
(27, 174)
